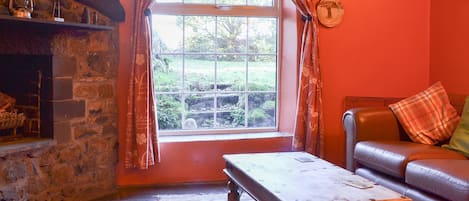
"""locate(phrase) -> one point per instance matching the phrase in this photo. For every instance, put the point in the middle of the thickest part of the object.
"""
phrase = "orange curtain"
(308, 126)
(141, 139)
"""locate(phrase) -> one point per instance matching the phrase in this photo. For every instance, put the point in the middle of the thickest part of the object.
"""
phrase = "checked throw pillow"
(427, 117)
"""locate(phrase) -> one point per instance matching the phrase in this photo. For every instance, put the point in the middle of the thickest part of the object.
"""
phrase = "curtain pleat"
(308, 125)
(141, 138)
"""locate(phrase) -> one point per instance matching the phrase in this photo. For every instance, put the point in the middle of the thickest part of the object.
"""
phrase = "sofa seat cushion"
(397, 185)
(391, 157)
(447, 178)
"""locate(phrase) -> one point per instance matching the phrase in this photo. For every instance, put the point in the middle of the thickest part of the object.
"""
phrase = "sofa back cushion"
(427, 117)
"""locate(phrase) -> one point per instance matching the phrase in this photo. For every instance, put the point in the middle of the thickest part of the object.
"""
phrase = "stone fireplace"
(64, 81)
(27, 79)
(43, 88)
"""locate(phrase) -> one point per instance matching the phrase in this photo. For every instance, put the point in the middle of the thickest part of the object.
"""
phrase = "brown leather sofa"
(377, 148)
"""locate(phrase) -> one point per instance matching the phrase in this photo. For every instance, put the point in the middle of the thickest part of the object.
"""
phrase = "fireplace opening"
(25, 96)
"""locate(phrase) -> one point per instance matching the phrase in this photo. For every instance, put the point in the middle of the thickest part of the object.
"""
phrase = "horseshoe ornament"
(330, 12)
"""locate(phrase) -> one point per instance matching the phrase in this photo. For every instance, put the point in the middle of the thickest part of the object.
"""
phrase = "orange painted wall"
(380, 49)
(449, 54)
(199, 161)
(125, 29)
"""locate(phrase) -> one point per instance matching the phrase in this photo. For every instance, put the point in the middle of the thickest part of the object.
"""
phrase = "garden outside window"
(215, 66)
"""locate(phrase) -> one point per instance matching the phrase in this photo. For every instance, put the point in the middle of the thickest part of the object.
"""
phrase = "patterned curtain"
(309, 129)
(141, 139)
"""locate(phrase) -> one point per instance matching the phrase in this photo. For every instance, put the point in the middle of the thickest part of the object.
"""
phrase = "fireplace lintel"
(41, 24)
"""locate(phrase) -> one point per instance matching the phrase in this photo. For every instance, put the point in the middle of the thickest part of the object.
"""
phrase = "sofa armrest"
(368, 123)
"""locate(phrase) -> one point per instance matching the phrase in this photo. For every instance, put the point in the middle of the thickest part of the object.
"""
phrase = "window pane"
(215, 71)
(230, 109)
(231, 2)
(222, 2)
(231, 73)
(233, 119)
(202, 120)
(196, 103)
(262, 35)
(169, 1)
(231, 34)
(199, 72)
(199, 1)
(262, 73)
(169, 109)
(230, 102)
(260, 3)
(167, 34)
(261, 107)
(167, 72)
(200, 34)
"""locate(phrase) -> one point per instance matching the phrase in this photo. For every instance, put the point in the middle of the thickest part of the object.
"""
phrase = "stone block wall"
(80, 164)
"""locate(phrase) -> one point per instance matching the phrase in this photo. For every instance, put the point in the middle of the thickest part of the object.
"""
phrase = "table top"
(301, 176)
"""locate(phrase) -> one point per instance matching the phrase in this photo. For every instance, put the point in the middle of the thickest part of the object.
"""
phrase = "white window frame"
(233, 11)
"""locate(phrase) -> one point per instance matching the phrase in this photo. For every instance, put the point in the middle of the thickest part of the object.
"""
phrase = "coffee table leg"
(233, 194)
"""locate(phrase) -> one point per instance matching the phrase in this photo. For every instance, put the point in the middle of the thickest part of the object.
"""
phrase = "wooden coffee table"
(297, 176)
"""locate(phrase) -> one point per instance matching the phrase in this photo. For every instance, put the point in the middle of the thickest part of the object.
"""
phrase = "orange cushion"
(427, 117)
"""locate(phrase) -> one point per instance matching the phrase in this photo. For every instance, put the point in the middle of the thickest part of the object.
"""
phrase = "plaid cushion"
(427, 117)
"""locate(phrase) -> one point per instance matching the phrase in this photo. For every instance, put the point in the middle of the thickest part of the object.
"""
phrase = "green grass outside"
(262, 74)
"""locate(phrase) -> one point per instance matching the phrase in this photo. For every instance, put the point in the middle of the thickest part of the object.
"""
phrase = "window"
(215, 65)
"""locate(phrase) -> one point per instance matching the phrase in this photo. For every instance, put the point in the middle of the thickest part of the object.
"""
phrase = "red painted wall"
(449, 56)
(123, 78)
(199, 161)
(380, 49)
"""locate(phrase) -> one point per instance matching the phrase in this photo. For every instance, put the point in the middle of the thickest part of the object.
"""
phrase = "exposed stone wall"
(82, 164)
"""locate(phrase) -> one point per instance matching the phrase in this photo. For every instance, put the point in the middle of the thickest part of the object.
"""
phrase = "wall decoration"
(330, 12)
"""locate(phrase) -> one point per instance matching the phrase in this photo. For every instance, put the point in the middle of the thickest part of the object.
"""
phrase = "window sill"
(219, 137)
(24, 145)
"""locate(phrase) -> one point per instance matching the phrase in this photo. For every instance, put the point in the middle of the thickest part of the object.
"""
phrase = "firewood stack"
(9, 117)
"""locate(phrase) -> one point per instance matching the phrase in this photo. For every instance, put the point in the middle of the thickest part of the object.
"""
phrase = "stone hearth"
(77, 159)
